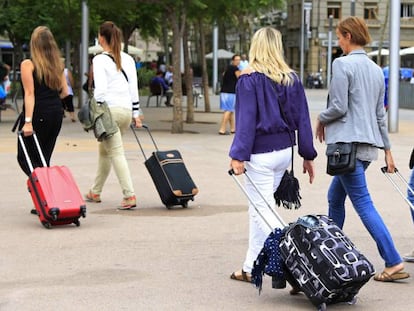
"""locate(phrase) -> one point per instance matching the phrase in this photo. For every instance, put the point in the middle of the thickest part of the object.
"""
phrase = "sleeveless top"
(46, 99)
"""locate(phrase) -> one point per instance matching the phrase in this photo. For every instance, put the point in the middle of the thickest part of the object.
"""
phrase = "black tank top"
(46, 99)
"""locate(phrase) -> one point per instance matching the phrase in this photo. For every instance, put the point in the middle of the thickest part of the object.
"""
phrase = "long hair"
(112, 35)
(266, 56)
(46, 57)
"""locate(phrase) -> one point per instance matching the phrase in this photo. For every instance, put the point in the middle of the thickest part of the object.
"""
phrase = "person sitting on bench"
(159, 79)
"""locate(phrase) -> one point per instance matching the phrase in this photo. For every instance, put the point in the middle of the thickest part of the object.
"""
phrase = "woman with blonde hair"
(115, 81)
(263, 140)
(44, 85)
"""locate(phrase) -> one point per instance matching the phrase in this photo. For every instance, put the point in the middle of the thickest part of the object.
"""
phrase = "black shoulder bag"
(287, 193)
(341, 157)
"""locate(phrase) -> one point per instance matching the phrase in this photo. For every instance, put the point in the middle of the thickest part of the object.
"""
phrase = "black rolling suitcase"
(318, 258)
(169, 174)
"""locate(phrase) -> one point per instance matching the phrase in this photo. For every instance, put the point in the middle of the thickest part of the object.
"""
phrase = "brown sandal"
(244, 276)
(385, 277)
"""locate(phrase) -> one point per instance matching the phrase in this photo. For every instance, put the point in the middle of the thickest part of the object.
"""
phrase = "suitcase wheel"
(353, 300)
(47, 225)
(76, 222)
(169, 206)
(184, 204)
(322, 307)
(83, 211)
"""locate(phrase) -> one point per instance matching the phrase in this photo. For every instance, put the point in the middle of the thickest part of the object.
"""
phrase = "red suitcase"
(54, 192)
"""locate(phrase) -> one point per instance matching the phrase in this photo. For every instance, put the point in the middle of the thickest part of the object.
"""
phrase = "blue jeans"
(410, 196)
(355, 186)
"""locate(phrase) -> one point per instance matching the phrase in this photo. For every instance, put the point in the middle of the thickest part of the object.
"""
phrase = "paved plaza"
(152, 258)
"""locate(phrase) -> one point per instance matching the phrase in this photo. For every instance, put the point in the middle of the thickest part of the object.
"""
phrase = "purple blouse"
(260, 125)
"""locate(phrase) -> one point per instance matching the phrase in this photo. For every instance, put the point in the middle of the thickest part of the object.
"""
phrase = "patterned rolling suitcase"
(323, 261)
(318, 258)
(169, 174)
(54, 192)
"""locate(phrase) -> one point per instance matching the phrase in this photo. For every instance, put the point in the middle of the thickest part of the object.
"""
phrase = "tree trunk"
(188, 77)
(165, 40)
(202, 49)
(177, 122)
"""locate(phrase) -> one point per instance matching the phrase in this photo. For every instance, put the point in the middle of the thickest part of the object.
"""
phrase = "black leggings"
(47, 127)
(67, 103)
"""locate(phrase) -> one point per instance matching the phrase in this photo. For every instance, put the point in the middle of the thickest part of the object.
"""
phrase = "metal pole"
(328, 74)
(215, 59)
(394, 74)
(352, 7)
(84, 66)
(302, 40)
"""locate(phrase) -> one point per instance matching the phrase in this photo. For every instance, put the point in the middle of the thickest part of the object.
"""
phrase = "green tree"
(17, 22)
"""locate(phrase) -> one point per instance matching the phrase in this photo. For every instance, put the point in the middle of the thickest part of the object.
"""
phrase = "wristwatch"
(27, 120)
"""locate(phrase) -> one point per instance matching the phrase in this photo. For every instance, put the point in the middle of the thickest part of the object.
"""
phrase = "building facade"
(316, 23)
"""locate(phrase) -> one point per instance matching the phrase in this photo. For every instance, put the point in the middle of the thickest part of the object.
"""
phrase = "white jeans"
(111, 153)
(266, 171)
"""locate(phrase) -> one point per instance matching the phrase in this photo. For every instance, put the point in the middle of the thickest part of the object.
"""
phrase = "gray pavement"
(158, 259)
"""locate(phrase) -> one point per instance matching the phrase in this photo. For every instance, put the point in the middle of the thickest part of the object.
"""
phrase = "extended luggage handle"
(139, 143)
(243, 189)
(26, 154)
(385, 171)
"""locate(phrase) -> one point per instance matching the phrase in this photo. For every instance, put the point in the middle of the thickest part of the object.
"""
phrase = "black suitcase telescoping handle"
(139, 143)
(385, 171)
(243, 189)
(26, 154)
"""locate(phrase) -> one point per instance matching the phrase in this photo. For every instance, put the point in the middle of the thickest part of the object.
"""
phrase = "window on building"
(407, 10)
(370, 10)
(334, 9)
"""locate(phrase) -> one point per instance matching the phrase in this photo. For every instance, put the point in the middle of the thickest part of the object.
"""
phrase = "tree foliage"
(19, 17)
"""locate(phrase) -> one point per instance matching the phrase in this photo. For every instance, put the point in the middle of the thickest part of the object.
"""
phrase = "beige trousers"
(111, 153)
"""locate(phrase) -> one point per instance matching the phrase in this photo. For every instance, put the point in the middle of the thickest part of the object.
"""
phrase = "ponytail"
(112, 35)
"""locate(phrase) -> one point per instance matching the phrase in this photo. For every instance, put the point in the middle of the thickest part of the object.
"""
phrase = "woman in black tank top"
(43, 84)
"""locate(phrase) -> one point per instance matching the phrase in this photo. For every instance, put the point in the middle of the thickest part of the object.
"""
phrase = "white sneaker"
(409, 257)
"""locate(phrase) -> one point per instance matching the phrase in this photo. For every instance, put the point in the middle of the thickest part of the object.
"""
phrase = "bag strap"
(283, 114)
(122, 70)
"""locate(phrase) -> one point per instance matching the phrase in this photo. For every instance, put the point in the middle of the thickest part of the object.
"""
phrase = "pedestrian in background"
(356, 113)
(67, 102)
(44, 85)
(228, 96)
(115, 80)
(263, 140)
(159, 81)
(244, 63)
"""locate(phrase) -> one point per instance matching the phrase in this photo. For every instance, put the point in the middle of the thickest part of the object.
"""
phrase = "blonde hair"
(46, 57)
(112, 35)
(266, 56)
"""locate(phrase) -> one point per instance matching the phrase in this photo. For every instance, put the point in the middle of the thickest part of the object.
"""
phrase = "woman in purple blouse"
(263, 140)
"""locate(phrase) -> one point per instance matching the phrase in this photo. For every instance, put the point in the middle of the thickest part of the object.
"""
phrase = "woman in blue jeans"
(356, 113)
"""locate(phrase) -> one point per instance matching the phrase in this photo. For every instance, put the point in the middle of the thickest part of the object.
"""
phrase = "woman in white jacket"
(115, 80)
